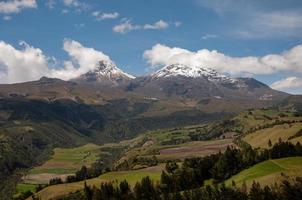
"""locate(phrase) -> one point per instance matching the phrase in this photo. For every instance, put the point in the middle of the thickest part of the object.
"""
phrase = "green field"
(285, 131)
(64, 161)
(268, 172)
(131, 176)
(25, 187)
(22, 188)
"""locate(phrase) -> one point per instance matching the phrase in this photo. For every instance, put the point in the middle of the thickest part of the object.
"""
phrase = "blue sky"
(125, 30)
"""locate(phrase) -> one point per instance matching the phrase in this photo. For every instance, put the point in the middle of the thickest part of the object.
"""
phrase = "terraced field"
(63, 163)
(195, 149)
(269, 172)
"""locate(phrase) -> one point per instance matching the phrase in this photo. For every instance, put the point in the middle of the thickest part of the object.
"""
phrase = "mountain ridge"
(105, 73)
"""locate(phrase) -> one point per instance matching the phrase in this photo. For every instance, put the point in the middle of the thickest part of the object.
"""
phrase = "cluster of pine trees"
(219, 167)
(147, 190)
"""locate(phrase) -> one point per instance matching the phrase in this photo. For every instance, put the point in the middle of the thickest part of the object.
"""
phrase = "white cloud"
(15, 6)
(26, 64)
(177, 24)
(71, 2)
(127, 26)
(271, 25)
(79, 26)
(83, 59)
(7, 18)
(50, 4)
(103, 16)
(288, 83)
(65, 11)
(209, 36)
(29, 63)
(281, 20)
(257, 20)
(78, 5)
(290, 60)
(161, 24)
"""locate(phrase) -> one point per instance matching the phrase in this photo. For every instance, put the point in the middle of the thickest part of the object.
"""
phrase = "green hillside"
(131, 176)
(268, 172)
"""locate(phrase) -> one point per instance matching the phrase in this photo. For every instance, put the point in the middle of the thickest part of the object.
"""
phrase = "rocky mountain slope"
(106, 74)
(199, 83)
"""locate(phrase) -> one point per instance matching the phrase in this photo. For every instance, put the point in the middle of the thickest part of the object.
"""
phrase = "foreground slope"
(269, 172)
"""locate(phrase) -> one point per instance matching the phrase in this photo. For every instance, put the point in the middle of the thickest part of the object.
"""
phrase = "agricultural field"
(132, 177)
(146, 154)
(171, 144)
(284, 132)
(25, 187)
(65, 161)
(268, 172)
(194, 149)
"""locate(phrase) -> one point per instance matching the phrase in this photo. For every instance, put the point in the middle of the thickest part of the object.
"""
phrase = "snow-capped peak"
(191, 71)
(110, 70)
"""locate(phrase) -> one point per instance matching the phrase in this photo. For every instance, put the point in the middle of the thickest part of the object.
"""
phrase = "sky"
(65, 38)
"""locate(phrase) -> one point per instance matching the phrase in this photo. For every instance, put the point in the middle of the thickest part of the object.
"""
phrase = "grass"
(22, 187)
(268, 172)
(260, 138)
(69, 159)
(53, 170)
(64, 161)
(132, 177)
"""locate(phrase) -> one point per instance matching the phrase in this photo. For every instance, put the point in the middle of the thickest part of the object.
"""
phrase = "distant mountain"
(52, 89)
(107, 74)
(197, 82)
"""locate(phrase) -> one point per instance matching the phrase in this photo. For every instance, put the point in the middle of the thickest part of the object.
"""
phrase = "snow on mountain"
(107, 73)
(193, 72)
(110, 70)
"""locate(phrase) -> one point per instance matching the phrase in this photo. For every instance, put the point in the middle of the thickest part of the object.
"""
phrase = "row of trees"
(84, 173)
(147, 190)
(219, 167)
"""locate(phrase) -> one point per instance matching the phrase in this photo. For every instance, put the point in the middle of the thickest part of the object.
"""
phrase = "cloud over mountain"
(288, 83)
(30, 63)
(290, 60)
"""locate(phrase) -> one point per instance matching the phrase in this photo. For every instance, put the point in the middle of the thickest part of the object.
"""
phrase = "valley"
(148, 153)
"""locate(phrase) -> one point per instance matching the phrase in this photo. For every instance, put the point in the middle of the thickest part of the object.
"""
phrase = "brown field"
(194, 149)
(42, 178)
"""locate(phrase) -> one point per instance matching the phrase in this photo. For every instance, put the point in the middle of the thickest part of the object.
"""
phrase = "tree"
(87, 191)
(125, 190)
(171, 166)
(269, 143)
(82, 174)
(146, 190)
(255, 192)
(55, 181)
